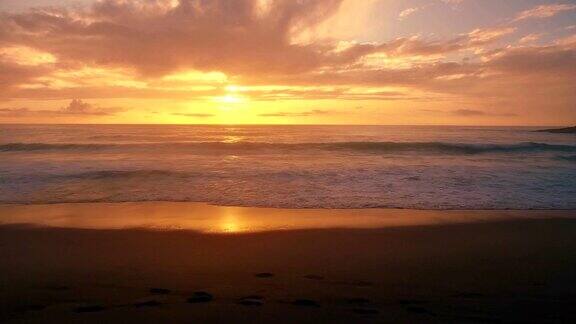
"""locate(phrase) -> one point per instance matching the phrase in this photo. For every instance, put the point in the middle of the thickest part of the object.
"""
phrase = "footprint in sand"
(408, 302)
(57, 288)
(253, 300)
(362, 283)
(419, 310)
(314, 277)
(362, 306)
(366, 311)
(160, 291)
(468, 295)
(200, 297)
(148, 303)
(31, 308)
(305, 303)
(89, 309)
(264, 275)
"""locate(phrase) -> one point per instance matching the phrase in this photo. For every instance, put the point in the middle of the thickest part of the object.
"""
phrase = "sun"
(232, 95)
(231, 99)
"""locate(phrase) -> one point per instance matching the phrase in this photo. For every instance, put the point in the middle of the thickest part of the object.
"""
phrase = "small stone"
(200, 297)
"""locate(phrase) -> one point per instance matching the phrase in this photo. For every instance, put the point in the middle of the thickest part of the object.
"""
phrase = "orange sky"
(468, 62)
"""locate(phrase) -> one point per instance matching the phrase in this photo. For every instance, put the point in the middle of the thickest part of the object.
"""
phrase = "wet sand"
(184, 263)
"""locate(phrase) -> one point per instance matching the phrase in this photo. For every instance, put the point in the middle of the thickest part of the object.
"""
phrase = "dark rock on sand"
(89, 309)
(264, 275)
(200, 297)
(566, 130)
(159, 291)
(305, 302)
(251, 301)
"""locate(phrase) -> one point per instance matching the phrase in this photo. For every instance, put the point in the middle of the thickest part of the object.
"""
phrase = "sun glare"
(230, 99)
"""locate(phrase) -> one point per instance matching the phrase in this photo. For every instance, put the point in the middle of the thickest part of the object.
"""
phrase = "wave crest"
(246, 147)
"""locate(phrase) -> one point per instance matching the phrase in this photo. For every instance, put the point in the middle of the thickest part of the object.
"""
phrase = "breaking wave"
(254, 147)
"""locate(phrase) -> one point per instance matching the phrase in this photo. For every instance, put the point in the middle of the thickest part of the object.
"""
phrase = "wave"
(247, 147)
(569, 158)
(24, 147)
(123, 174)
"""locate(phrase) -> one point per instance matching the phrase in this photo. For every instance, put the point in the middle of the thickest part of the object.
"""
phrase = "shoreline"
(17, 203)
(203, 217)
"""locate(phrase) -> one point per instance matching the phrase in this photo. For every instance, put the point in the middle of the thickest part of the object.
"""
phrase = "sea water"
(424, 167)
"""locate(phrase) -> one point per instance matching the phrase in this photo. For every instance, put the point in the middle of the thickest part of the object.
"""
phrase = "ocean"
(420, 167)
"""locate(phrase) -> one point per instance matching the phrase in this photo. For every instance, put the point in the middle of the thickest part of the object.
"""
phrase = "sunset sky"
(461, 62)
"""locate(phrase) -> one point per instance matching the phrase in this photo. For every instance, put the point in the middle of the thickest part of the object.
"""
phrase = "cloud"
(239, 38)
(558, 60)
(530, 38)
(469, 113)
(410, 46)
(452, 2)
(314, 112)
(408, 12)
(473, 113)
(76, 107)
(13, 74)
(544, 11)
(158, 37)
(145, 50)
(195, 115)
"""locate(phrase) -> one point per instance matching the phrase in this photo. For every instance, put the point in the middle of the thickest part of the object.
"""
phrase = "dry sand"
(193, 263)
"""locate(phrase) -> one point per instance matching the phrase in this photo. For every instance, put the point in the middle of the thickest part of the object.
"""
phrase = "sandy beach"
(187, 262)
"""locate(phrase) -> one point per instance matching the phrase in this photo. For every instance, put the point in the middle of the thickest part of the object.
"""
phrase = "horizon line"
(248, 124)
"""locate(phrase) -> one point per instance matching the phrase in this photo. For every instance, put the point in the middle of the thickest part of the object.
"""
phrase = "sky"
(389, 62)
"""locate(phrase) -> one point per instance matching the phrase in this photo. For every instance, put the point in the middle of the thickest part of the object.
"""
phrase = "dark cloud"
(235, 37)
(472, 113)
(13, 74)
(76, 107)
(195, 115)
(314, 112)
(156, 38)
(469, 113)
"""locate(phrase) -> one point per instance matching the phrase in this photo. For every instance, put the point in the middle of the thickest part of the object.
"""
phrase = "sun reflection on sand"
(230, 223)
(205, 218)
